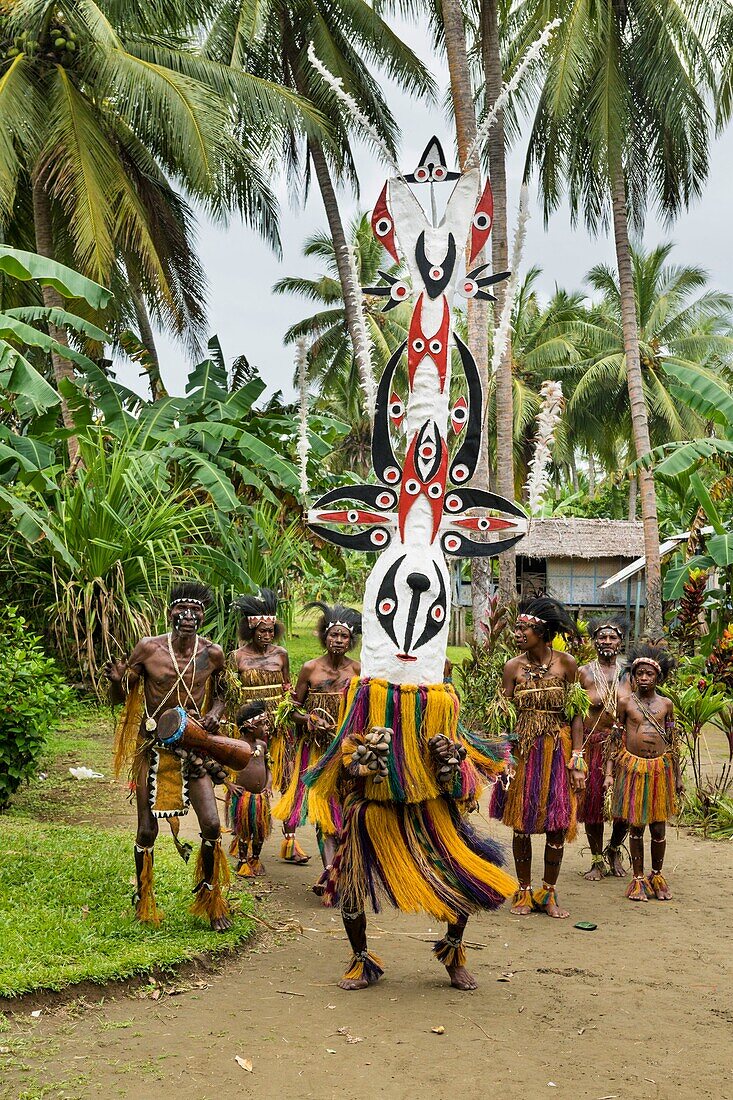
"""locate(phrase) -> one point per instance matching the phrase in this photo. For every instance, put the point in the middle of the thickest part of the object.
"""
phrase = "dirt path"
(639, 1008)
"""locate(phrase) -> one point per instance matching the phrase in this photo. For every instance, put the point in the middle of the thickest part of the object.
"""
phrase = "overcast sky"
(250, 319)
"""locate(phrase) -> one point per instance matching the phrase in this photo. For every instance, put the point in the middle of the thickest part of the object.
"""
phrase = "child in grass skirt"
(249, 804)
(644, 771)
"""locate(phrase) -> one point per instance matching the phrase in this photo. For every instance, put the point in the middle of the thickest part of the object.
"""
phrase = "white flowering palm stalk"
(548, 419)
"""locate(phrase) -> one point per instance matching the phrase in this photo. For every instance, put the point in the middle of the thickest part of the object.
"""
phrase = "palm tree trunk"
(477, 312)
(145, 329)
(574, 473)
(639, 420)
(633, 489)
(491, 58)
(344, 264)
(591, 475)
(62, 368)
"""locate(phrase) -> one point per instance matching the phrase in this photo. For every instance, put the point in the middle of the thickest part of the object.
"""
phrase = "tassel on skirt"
(250, 818)
(420, 857)
(644, 789)
(540, 798)
(299, 804)
(591, 800)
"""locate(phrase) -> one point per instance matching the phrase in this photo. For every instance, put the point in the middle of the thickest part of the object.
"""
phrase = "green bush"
(32, 697)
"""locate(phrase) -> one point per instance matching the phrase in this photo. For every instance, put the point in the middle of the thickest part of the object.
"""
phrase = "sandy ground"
(642, 1007)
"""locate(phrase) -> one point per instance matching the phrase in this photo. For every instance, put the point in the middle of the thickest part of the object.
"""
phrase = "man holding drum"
(178, 669)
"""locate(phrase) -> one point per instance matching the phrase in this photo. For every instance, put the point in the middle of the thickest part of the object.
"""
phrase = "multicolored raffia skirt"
(298, 804)
(591, 800)
(644, 789)
(539, 798)
(418, 856)
(250, 818)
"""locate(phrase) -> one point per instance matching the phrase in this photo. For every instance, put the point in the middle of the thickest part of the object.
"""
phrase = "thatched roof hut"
(571, 558)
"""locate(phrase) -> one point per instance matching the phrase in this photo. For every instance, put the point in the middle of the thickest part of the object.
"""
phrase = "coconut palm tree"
(621, 116)
(272, 38)
(680, 324)
(330, 357)
(103, 104)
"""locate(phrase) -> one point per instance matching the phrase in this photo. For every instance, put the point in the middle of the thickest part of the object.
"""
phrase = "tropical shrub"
(33, 697)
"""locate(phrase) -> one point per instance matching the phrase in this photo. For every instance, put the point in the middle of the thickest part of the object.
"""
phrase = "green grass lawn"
(66, 917)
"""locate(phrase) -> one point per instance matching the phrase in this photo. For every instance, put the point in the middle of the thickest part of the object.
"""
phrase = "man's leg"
(613, 850)
(451, 952)
(657, 881)
(638, 888)
(327, 845)
(595, 842)
(522, 904)
(364, 968)
(147, 830)
(212, 869)
(546, 898)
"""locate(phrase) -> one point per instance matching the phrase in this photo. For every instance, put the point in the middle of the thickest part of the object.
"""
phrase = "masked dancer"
(260, 669)
(644, 772)
(319, 691)
(177, 669)
(547, 743)
(601, 679)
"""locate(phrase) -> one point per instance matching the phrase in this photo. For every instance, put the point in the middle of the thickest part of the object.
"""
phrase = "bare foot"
(220, 924)
(615, 864)
(461, 979)
(256, 867)
(595, 874)
(522, 910)
(299, 861)
(553, 910)
(353, 983)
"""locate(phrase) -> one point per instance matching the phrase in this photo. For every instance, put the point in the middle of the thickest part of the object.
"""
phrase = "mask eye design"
(432, 165)
(434, 287)
(483, 219)
(397, 290)
(437, 613)
(425, 471)
(483, 523)
(396, 409)
(459, 415)
(437, 344)
(383, 226)
(387, 600)
(351, 516)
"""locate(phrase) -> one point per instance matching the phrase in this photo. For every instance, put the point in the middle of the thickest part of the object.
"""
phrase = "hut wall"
(577, 582)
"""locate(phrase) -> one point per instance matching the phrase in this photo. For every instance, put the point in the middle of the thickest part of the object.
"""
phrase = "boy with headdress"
(260, 669)
(249, 803)
(601, 679)
(319, 691)
(646, 767)
(547, 744)
(177, 669)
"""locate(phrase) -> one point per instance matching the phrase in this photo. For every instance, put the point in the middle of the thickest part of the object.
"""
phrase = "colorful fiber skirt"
(420, 857)
(644, 789)
(540, 798)
(591, 800)
(250, 818)
(298, 804)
